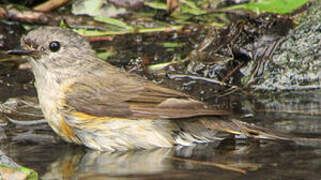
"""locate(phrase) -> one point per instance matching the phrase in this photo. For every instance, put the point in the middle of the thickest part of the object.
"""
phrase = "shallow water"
(232, 159)
(264, 160)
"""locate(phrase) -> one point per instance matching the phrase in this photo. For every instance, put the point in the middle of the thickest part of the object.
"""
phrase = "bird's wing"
(125, 95)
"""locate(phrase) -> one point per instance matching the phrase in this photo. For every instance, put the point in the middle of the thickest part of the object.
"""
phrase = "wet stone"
(296, 64)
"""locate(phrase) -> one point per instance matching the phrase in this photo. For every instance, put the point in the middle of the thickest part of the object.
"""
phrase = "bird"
(88, 101)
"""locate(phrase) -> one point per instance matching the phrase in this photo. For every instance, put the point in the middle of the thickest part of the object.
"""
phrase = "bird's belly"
(111, 134)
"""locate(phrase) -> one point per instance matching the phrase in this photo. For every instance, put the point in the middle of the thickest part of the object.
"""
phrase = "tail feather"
(250, 130)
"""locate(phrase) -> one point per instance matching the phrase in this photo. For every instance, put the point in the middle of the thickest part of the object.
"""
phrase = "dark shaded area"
(10, 33)
(15, 82)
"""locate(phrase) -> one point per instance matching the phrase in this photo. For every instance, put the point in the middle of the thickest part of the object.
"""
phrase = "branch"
(15, 13)
(49, 5)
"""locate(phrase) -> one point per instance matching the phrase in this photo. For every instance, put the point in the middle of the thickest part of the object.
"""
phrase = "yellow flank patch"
(90, 119)
(84, 116)
(66, 132)
(93, 122)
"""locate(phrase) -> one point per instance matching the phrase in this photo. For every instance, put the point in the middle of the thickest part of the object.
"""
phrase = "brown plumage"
(126, 95)
(87, 101)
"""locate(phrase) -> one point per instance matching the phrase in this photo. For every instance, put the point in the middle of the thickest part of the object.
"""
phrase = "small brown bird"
(88, 101)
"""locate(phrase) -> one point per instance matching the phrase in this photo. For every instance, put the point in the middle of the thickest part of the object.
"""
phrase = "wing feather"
(121, 94)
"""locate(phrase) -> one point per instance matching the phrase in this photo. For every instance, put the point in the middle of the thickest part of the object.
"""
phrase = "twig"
(230, 73)
(230, 91)
(222, 166)
(101, 38)
(263, 59)
(15, 13)
(87, 33)
(171, 5)
(4, 107)
(50, 5)
(213, 81)
(27, 123)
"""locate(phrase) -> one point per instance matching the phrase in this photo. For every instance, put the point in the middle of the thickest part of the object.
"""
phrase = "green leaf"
(113, 21)
(190, 7)
(156, 5)
(172, 44)
(31, 174)
(105, 54)
(158, 67)
(275, 6)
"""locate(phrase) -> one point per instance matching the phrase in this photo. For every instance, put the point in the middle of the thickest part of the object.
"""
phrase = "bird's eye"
(54, 46)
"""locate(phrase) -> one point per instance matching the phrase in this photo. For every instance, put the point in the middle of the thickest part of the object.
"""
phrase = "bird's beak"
(21, 52)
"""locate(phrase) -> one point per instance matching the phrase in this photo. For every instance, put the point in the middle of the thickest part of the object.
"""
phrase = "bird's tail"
(238, 127)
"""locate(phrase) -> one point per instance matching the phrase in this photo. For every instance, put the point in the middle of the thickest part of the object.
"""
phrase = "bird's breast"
(51, 98)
